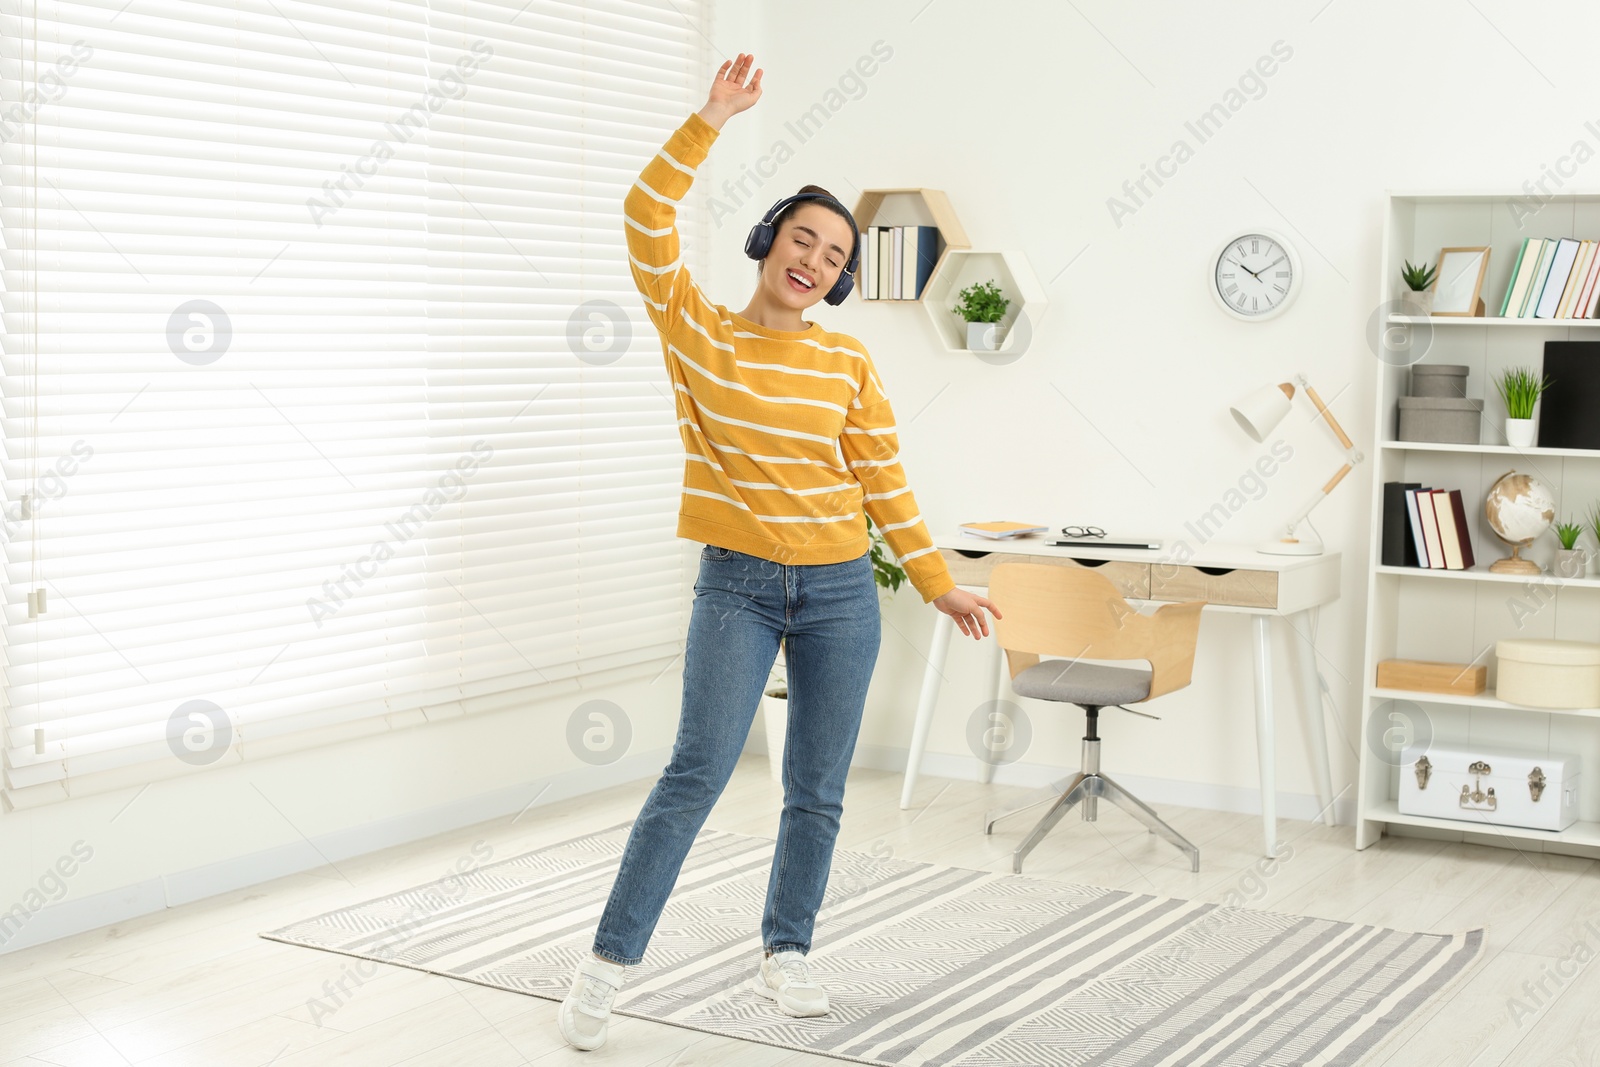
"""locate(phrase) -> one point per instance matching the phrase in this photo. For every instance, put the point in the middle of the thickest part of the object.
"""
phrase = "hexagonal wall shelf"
(958, 269)
(910, 207)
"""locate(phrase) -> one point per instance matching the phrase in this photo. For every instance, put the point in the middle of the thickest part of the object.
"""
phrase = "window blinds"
(329, 406)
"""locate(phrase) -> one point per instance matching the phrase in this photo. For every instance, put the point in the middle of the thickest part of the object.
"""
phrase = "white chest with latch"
(1507, 787)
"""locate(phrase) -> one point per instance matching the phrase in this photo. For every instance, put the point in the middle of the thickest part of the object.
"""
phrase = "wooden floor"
(195, 987)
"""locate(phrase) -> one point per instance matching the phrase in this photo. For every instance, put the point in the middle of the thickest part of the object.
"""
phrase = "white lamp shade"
(1261, 410)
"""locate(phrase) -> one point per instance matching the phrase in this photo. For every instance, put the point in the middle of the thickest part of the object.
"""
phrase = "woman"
(788, 438)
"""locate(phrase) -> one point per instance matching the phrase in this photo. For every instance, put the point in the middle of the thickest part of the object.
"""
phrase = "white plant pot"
(1519, 433)
(1417, 303)
(984, 336)
(775, 719)
(1570, 562)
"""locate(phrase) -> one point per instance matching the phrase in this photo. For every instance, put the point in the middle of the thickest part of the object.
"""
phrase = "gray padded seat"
(1083, 683)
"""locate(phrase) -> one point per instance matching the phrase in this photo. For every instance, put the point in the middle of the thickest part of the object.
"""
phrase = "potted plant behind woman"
(775, 698)
(982, 307)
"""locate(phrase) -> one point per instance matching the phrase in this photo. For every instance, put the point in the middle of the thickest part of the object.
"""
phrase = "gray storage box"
(1439, 379)
(1443, 419)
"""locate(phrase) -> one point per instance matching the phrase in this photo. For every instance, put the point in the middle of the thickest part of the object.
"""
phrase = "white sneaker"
(785, 979)
(585, 1014)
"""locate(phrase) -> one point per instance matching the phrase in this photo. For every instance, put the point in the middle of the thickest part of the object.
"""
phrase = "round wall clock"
(1255, 276)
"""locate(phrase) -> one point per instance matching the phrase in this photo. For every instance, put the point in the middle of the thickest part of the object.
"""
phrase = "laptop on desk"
(1108, 541)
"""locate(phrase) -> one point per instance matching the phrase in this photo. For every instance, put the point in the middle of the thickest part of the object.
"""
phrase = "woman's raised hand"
(729, 93)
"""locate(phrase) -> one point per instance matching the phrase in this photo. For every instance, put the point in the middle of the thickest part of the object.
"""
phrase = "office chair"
(1077, 613)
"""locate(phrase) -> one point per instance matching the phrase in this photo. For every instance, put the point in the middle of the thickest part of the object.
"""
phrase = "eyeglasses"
(1083, 531)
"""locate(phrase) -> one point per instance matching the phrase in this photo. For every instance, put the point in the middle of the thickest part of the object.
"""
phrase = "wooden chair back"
(1077, 613)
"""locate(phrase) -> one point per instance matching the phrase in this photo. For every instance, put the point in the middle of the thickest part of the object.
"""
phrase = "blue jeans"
(743, 605)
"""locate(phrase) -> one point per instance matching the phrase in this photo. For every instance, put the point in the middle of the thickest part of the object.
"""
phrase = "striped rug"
(928, 965)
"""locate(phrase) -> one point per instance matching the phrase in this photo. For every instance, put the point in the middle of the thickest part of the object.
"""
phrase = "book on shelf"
(1429, 548)
(867, 279)
(1398, 549)
(1415, 519)
(1458, 508)
(930, 245)
(999, 531)
(1530, 299)
(908, 262)
(1521, 275)
(1580, 268)
(1554, 278)
(897, 244)
(1449, 538)
(885, 260)
(1556, 281)
(1538, 260)
(897, 261)
(1436, 520)
(1586, 296)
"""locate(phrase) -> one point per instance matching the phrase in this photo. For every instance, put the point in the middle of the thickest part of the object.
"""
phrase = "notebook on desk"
(1000, 531)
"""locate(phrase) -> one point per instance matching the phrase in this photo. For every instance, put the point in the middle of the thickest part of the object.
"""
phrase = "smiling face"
(813, 243)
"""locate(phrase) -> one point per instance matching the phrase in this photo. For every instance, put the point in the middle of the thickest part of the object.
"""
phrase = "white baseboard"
(145, 898)
(1238, 798)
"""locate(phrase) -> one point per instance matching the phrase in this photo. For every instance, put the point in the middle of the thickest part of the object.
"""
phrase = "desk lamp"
(1257, 414)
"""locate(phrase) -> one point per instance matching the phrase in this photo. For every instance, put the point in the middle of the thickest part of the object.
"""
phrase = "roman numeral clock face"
(1255, 276)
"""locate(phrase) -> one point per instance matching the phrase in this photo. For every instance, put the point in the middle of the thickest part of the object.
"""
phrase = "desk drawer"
(1214, 585)
(1131, 579)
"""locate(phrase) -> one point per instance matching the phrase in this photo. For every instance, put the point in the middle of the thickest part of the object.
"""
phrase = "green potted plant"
(982, 306)
(1571, 560)
(1418, 294)
(885, 570)
(1519, 390)
(775, 697)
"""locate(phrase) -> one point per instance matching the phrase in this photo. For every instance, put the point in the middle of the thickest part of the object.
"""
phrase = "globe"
(1519, 508)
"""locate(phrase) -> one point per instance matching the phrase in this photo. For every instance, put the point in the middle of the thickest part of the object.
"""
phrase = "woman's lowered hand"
(967, 609)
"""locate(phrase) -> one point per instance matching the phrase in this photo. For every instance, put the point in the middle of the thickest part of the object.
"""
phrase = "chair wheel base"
(1092, 786)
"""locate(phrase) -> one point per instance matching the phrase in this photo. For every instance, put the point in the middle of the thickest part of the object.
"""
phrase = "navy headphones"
(759, 243)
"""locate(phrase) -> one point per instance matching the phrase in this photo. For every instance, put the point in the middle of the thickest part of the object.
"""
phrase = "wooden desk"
(1230, 578)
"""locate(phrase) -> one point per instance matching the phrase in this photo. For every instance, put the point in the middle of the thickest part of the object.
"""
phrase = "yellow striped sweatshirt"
(787, 435)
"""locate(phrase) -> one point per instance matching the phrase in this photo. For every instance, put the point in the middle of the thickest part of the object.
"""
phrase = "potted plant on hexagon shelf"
(775, 698)
(982, 306)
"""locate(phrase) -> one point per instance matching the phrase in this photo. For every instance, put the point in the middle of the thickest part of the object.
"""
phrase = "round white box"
(1543, 673)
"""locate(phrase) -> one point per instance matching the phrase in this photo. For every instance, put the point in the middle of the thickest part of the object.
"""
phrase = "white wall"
(1030, 118)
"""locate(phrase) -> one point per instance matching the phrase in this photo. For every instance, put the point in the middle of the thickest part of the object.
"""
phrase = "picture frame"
(1458, 284)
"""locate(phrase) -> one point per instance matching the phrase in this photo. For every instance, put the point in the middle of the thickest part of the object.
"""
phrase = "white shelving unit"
(1457, 616)
(1452, 320)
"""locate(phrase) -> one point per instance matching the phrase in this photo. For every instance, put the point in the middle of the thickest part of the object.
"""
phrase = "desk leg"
(997, 686)
(943, 626)
(1311, 699)
(1266, 744)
